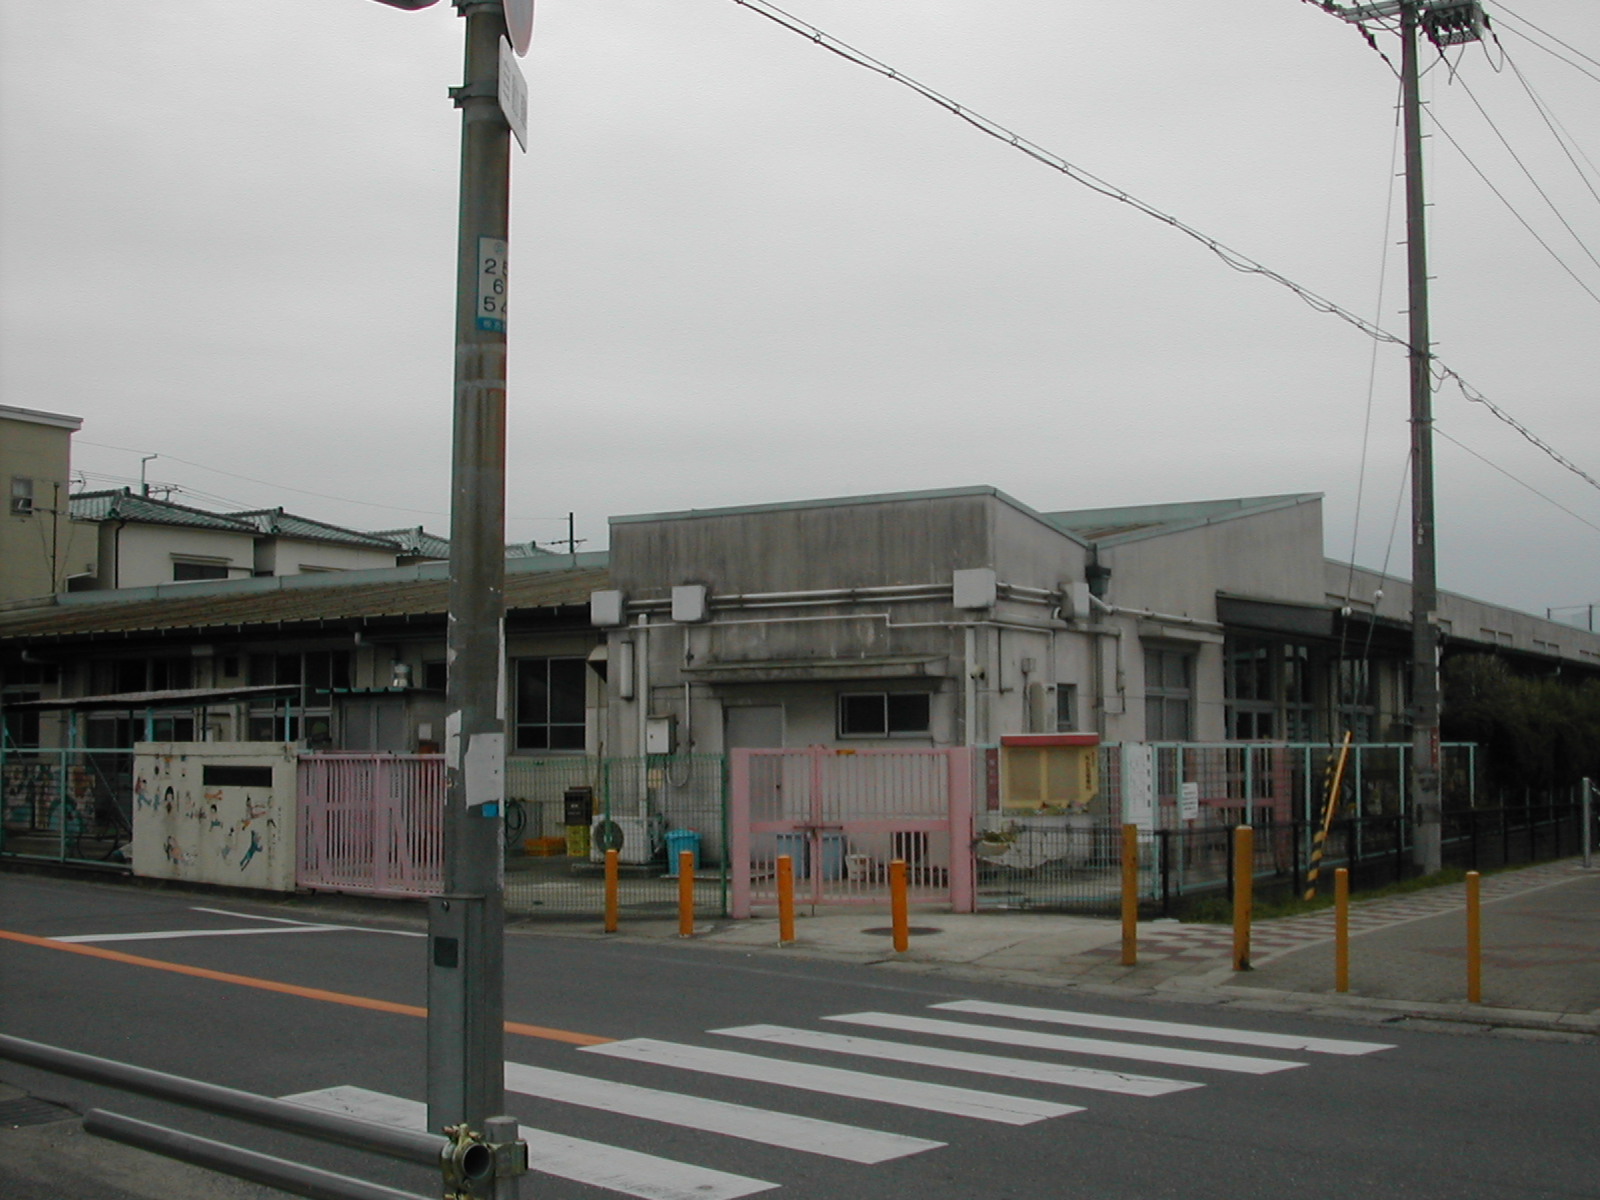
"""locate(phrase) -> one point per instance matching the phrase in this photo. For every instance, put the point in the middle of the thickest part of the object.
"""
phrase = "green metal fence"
(646, 808)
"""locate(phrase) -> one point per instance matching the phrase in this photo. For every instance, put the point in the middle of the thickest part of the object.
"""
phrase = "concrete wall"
(37, 551)
(186, 828)
(136, 555)
(293, 556)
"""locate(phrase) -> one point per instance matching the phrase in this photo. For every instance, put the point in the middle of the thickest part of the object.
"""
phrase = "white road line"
(226, 912)
(1171, 1055)
(791, 1132)
(835, 1081)
(163, 934)
(575, 1159)
(965, 1060)
(1198, 1033)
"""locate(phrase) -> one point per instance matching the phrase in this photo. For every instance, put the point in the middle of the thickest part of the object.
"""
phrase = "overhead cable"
(1236, 259)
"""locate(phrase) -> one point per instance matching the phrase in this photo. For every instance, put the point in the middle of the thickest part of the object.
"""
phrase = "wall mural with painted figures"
(215, 813)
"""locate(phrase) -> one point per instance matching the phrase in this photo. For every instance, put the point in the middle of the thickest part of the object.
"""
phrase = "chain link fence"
(67, 805)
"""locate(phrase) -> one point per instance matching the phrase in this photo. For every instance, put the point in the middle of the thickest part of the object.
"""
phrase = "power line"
(1514, 479)
(1518, 16)
(1237, 260)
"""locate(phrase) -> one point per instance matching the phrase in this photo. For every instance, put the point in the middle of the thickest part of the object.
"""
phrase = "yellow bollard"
(1244, 878)
(785, 899)
(1341, 930)
(1130, 895)
(897, 905)
(1474, 942)
(612, 859)
(685, 893)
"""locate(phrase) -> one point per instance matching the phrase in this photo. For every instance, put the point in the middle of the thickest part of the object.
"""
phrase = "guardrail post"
(1341, 930)
(1588, 821)
(785, 899)
(685, 893)
(1130, 895)
(612, 861)
(1243, 894)
(1474, 942)
(898, 906)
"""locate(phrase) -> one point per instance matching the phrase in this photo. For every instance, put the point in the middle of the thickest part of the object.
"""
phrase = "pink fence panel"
(841, 815)
(371, 823)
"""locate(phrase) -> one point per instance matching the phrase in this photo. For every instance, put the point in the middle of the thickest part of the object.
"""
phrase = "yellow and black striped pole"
(1333, 776)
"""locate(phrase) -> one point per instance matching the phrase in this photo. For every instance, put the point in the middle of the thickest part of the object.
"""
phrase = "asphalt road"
(1201, 1104)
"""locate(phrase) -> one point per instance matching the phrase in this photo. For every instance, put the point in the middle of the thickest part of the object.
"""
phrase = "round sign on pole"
(519, 24)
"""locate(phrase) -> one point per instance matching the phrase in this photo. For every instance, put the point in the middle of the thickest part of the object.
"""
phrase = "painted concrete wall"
(142, 555)
(38, 551)
(187, 829)
(294, 556)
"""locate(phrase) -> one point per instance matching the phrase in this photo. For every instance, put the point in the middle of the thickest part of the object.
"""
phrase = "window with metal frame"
(884, 714)
(1168, 695)
(550, 694)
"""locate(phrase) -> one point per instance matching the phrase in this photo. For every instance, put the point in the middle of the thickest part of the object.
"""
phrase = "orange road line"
(288, 989)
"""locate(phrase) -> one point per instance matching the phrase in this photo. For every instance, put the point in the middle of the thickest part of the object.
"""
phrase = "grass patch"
(1218, 910)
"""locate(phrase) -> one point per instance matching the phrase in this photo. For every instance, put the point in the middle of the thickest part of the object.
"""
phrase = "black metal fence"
(1179, 866)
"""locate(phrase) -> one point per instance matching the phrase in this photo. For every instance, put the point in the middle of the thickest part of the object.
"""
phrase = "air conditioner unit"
(637, 840)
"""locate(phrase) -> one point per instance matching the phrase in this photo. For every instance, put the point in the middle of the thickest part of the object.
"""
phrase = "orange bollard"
(1341, 930)
(1474, 942)
(785, 899)
(685, 893)
(1244, 878)
(612, 859)
(897, 905)
(1130, 895)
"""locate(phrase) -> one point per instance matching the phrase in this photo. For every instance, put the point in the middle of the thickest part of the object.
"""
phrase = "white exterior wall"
(293, 556)
(184, 829)
(136, 555)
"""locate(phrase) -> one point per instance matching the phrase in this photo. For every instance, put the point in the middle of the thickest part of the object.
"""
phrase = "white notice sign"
(513, 94)
(1139, 786)
(1189, 801)
(493, 282)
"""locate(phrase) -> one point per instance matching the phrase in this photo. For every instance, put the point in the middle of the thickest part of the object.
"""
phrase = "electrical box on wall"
(660, 734)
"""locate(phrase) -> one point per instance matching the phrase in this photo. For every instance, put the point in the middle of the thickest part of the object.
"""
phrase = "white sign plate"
(513, 94)
(1139, 785)
(1189, 801)
(493, 282)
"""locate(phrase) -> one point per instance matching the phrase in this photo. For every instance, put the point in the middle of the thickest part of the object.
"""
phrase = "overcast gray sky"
(746, 270)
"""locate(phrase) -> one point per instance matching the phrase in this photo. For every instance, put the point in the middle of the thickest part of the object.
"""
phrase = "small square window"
(21, 496)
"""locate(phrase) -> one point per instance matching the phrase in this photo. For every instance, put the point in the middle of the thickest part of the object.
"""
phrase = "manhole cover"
(915, 930)
(25, 1110)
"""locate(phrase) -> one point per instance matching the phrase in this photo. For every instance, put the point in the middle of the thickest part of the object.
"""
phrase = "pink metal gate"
(842, 815)
(371, 823)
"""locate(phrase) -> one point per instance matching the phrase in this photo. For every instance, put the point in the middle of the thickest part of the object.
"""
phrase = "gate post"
(963, 893)
(739, 833)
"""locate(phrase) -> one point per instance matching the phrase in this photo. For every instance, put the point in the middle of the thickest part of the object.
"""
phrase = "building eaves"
(123, 505)
(276, 522)
(35, 416)
(415, 541)
(421, 592)
(851, 502)
(1118, 526)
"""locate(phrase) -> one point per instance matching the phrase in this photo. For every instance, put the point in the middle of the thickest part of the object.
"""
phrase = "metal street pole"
(1427, 809)
(466, 1076)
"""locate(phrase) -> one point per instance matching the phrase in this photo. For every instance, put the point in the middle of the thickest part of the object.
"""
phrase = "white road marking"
(575, 1159)
(1198, 1033)
(835, 1081)
(1171, 1055)
(164, 934)
(965, 1060)
(279, 925)
(792, 1132)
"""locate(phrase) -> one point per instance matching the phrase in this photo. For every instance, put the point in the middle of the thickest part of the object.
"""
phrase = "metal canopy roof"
(167, 698)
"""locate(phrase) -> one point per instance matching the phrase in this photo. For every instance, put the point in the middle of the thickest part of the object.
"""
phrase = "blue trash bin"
(679, 840)
(798, 847)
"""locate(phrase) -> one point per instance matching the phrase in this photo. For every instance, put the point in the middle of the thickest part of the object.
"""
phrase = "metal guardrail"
(473, 1165)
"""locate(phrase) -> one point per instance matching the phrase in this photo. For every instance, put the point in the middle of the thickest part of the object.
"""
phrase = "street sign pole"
(466, 1074)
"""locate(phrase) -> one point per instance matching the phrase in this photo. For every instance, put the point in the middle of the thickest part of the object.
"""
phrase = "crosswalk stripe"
(835, 1081)
(1171, 1055)
(965, 1060)
(788, 1130)
(1198, 1033)
(593, 1163)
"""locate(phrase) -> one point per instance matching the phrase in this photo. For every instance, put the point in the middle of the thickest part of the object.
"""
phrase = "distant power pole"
(1446, 22)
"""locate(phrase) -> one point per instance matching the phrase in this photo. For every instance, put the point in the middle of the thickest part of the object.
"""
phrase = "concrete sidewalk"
(1541, 953)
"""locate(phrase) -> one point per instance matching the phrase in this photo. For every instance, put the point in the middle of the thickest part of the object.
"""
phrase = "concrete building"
(40, 551)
